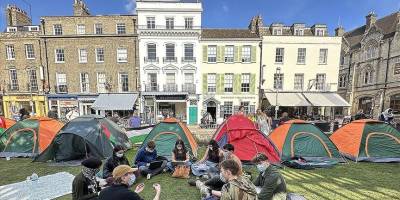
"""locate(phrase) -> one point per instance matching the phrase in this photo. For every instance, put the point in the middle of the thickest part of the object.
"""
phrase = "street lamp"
(277, 86)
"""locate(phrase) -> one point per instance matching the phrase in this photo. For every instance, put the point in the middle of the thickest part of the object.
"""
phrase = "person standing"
(124, 179)
(23, 114)
(53, 113)
(241, 111)
(135, 121)
(262, 122)
(284, 118)
(85, 186)
(74, 113)
(118, 158)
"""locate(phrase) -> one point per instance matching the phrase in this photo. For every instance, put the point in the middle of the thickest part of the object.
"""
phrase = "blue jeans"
(172, 168)
(203, 168)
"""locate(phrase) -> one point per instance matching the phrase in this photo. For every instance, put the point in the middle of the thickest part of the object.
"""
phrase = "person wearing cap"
(124, 178)
(85, 186)
(270, 181)
(145, 156)
(118, 158)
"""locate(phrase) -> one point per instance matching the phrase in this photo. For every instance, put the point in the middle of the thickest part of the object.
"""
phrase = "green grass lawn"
(345, 181)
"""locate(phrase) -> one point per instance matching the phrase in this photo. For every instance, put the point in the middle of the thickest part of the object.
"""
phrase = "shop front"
(34, 104)
(1, 106)
(63, 103)
(85, 103)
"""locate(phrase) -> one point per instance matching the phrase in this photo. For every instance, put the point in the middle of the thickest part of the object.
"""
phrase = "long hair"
(176, 150)
(215, 148)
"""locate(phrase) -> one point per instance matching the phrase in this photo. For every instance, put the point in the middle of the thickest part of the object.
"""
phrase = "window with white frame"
(368, 77)
(85, 83)
(152, 80)
(320, 82)
(33, 84)
(370, 52)
(57, 29)
(342, 81)
(228, 109)
(151, 52)
(98, 29)
(188, 52)
(298, 81)
(301, 55)
(170, 78)
(212, 54)
(11, 29)
(246, 54)
(10, 52)
(188, 22)
(123, 82)
(151, 22)
(320, 32)
(278, 81)
(169, 23)
(323, 56)
(101, 82)
(170, 52)
(299, 32)
(83, 57)
(14, 80)
(246, 106)
(121, 28)
(279, 55)
(229, 53)
(122, 55)
(29, 51)
(228, 82)
(211, 83)
(99, 54)
(245, 87)
(189, 78)
(60, 58)
(61, 83)
(277, 31)
(81, 29)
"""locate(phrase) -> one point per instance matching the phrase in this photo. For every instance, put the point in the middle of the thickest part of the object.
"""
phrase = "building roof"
(228, 33)
(386, 24)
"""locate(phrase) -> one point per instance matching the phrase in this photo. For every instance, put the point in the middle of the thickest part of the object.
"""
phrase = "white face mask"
(119, 155)
(132, 180)
(261, 167)
(222, 177)
(149, 150)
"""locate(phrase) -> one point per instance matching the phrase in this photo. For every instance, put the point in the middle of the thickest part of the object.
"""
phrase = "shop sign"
(68, 103)
(171, 98)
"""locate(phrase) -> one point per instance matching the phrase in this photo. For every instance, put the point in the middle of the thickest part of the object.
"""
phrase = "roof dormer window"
(320, 32)
(277, 31)
(11, 29)
(299, 32)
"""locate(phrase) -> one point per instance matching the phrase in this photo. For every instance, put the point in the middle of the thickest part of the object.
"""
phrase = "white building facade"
(169, 32)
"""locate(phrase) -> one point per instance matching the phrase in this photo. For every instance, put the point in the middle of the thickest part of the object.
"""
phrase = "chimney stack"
(370, 20)
(80, 8)
(17, 17)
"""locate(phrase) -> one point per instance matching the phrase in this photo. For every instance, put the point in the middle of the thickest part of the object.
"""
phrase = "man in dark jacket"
(118, 158)
(144, 157)
(124, 178)
(270, 181)
(53, 113)
(85, 186)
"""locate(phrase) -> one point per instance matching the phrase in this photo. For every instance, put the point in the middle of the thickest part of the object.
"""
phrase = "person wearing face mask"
(211, 159)
(124, 178)
(145, 156)
(179, 153)
(270, 181)
(118, 158)
(85, 186)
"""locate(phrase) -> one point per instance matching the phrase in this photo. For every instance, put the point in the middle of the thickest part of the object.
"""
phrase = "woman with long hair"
(211, 159)
(179, 155)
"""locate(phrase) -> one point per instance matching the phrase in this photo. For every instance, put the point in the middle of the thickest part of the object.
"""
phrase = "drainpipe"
(45, 50)
(261, 76)
(347, 84)
(386, 76)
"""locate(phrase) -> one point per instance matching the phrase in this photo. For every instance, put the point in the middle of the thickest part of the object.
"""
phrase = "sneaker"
(148, 176)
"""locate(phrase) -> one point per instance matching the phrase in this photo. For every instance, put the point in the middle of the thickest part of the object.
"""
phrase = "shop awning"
(326, 100)
(115, 101)
(287, 99)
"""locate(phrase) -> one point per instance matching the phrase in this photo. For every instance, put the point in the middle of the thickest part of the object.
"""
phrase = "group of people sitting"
(219, 174)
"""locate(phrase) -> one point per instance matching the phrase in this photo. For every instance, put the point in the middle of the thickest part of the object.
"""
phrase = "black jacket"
(271, 182)
(112, 163)
(80, 188)
(118, 192)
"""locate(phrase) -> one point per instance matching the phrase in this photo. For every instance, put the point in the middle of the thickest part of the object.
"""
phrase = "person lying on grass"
(179, 154)
(124, 178)
(270, 181)
(147, 155)
(85, 186)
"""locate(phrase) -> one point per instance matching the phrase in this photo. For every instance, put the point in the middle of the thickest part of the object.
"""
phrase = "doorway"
(212, 109)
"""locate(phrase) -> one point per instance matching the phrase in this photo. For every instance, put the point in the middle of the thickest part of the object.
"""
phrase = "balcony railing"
(158, 27)
(152, 88)
(170, 60)
(13, 87)
(61, 88)
(170, 88)
(189, 88)
(151, 60)
(188, 59)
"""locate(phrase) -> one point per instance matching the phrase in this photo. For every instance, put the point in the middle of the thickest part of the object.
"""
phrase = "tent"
(300, 138)
(5, 123)
(165, 134)
(242, 133)
(28, 137)
(89, 135)
(368, 140)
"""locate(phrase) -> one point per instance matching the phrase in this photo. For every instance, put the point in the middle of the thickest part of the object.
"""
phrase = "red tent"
(243, 134)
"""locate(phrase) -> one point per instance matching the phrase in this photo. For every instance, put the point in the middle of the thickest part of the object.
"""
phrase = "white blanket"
(46, 187)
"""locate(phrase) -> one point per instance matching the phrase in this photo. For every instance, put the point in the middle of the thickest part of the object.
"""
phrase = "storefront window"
(395, 103)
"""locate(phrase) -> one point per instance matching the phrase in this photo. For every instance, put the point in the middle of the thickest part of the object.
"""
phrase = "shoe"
(192, 182)
(148, 176)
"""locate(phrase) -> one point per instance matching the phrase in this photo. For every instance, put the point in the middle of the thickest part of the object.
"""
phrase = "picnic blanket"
(46, 187)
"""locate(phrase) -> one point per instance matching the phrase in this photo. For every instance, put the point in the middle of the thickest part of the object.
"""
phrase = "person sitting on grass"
(179, 154)
(124, 178)
(118, 158)
(147, 155)
(211, 159)
(270, 181)
(85, 186)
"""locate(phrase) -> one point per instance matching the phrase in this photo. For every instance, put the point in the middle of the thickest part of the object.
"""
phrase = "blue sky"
(235, 13)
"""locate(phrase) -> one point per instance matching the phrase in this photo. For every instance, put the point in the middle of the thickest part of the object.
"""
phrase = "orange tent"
(6, 123)
(368, 140)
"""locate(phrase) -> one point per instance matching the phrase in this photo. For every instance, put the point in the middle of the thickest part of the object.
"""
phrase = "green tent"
(85, 136)
(165, 134)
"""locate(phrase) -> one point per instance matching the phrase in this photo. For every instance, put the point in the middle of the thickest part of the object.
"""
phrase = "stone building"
(369, 75)
(88, 55)
(21, 71)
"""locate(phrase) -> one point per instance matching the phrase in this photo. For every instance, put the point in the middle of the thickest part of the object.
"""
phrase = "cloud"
(130, 6)
(225, 8)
